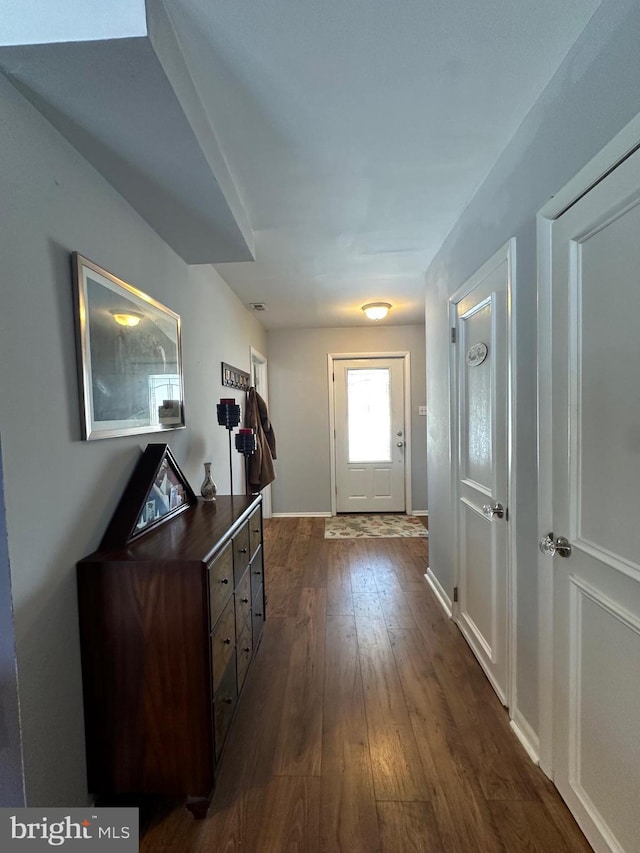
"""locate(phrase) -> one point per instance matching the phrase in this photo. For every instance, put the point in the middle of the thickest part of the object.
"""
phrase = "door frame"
(625, 143)
(332, 357)
(505, 253)
(256, 359)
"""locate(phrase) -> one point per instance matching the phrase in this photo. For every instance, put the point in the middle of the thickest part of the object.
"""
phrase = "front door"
(370, 436)
(595, 541)
(481, 366)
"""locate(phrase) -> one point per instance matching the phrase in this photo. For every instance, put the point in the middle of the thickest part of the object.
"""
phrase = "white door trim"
(406, 372)
(620, 147)
(256, 357)
(505, 253)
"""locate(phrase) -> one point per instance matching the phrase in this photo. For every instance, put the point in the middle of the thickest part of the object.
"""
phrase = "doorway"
(369, 432)
(481, 411)
(259, 380)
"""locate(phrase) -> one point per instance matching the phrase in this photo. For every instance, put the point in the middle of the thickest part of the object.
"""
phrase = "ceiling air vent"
(258, 306)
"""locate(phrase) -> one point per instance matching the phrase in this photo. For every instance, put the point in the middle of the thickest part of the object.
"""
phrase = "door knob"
(550, 546)
(400, 443)
(491, 511)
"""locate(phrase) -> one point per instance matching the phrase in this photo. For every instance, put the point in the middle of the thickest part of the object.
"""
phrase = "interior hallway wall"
(60, 491)
(594, 93)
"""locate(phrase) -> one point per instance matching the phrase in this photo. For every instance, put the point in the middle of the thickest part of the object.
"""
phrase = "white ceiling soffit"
(114, 82)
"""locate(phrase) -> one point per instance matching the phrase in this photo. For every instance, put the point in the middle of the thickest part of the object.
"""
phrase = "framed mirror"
(129, 356)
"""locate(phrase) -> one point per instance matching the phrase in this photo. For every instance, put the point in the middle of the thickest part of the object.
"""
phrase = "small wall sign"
(477, 354)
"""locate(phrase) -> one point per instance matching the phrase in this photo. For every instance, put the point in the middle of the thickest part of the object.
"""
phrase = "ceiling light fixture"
(376, 310)
(127, 318)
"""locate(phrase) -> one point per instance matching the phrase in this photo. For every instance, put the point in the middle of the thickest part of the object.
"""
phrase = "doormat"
(373, 526)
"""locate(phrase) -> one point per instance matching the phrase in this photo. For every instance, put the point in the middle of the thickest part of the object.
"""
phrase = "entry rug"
(372, 526)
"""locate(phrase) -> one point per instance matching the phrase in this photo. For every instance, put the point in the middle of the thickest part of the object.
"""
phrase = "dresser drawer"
(255, 531)
(257, 573)
(224, 704)
(220, 581)
(257, 616)
(241, 551)
(223, 643)
(243, 654)
(243, 601)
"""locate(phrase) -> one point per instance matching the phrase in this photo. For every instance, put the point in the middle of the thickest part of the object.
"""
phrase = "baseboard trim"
(300, 515)
(526, 735)
(419, 512)
(480, 655)
(439, 592)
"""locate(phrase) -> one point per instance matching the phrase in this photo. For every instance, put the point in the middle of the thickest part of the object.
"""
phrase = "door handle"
(491, 511)
(550, 546)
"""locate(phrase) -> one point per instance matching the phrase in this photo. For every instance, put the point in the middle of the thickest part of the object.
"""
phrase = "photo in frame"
(129, 356)
(157, 491)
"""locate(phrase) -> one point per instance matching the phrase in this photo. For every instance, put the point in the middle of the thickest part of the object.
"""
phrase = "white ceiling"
(347, 135)
(358, 130)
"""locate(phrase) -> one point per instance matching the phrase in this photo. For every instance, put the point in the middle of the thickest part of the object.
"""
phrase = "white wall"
(594, 93)
(299, 405)
(60, 492)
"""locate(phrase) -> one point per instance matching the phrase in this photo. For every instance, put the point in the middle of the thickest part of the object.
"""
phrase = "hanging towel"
(261, 467)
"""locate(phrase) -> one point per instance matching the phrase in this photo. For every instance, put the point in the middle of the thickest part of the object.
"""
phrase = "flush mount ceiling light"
(127, 318)
(376, 310)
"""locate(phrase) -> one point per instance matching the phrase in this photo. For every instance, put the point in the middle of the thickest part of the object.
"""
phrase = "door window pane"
(369, 414)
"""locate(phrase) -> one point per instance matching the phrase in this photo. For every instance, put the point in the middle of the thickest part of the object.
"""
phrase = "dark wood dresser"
(169, 625)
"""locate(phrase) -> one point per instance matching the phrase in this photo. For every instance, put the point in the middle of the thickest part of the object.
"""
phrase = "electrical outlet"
(422, 410)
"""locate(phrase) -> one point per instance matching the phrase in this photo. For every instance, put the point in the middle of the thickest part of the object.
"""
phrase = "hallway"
(366, 724)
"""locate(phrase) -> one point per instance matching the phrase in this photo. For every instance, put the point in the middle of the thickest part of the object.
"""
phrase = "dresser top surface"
(194, 535)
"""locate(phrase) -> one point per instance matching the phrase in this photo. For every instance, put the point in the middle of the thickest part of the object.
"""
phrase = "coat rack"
(233, 377)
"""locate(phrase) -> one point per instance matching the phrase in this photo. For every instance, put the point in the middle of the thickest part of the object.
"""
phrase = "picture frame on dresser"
(129, 354)
(157, 491)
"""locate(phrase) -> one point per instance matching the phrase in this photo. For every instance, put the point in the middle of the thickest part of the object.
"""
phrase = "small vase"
(208, 488)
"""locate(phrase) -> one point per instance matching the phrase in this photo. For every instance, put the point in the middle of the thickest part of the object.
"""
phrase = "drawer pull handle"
(224, 580)
(244, 600)
(227, 641)
(257, 572)
(243, 550)
(247, 650)
(227, 701)
(258, 614)
(257, 530)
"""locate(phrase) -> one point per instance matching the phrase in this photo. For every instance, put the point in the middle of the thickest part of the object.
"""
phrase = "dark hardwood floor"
(366, 724)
